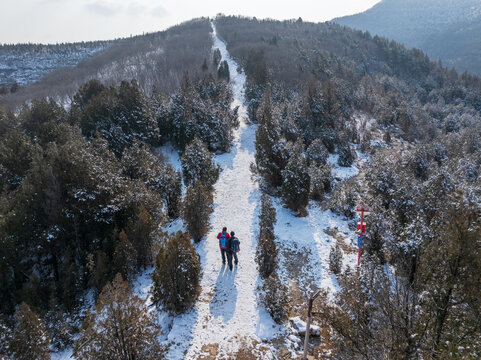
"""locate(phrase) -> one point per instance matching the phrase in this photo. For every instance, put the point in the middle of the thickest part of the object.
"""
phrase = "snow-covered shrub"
(121, 327)
(60, 328)
(419, 164)
(196, 210)
(216, 57)
(317, 153)
(223, 71)
(335, 259)
(30, 338)
(321, 180)
(345, 197)
(266, 252)
(346, 155)
(275, 298)
(197, 164)
(271, 150)
(296, 180)
(177, 275)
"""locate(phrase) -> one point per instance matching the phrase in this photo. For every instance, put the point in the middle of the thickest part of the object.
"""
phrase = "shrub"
(120, 328)
(30, 339)
(266, 254)
(196, 210)
(346, 156)
(317, 153)
(275, 298)
(197, 164)
(177, 275)
(335, 259)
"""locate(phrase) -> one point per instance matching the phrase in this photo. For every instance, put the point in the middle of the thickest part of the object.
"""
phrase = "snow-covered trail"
(226, 313)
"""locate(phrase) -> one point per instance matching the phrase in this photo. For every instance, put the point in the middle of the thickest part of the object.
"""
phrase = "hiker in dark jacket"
(229, 252)
(234, 246)
(223, 236)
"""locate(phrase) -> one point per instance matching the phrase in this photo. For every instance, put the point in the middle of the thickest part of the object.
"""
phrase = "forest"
(85, 196)
(307, 85)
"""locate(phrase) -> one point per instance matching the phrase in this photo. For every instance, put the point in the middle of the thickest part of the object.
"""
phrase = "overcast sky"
(51, 21)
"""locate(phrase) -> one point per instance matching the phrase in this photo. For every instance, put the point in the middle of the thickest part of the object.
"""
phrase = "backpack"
(235, 244)
(223, 240)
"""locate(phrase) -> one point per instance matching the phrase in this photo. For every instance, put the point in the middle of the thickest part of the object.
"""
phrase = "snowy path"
(226, 313)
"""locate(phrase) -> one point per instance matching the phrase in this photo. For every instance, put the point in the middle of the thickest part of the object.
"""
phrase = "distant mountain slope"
(156, 61)
(445, 29)
(26, 63)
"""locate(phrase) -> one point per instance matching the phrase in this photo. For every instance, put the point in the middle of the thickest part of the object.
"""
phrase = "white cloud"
(159, 11)
(103, 8)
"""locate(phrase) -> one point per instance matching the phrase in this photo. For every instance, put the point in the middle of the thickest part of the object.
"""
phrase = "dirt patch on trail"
(336, 234)
(209, 352)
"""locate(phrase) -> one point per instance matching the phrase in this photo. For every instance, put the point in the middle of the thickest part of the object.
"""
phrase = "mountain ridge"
(444, 30)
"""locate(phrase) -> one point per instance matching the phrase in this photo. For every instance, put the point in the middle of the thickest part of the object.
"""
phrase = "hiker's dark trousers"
(229, 259)
(235, 257)
(223, 252)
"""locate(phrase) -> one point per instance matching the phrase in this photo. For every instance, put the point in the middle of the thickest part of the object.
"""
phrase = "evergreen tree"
(171, 190)
(197, 164)
(346, 155)
(216, 57)
(177, 275)
(196, 210)
(30, 339)
(125, 257)
(271, 152)
(321, 181)
(268, 215)
(266, 252)
(140, 231)
(317, 153)
(296, 180)
(122, 327)
(275, 298)
(223, 71)
(335, 259)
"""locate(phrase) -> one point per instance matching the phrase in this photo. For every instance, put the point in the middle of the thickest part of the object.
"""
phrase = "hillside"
(26, 63)
(156, 61)
(111, 208)
(445, 30)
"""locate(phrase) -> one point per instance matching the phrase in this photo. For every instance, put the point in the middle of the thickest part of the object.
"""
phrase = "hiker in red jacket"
(223, 236)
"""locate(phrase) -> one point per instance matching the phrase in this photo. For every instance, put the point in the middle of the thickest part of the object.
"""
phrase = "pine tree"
(268, 215)
(275, 298)
(121, 327)
(125, 257)
(346, 155)
(171, 190)
(30, 339)
(197, 164)
(196, 210)
(140, 232)
(223, 71)
(321, 180)
(335, 259)
(296, 180)
(177, 275)
(266, 252)
(317, 153)
(216, 57)
(271, 152)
